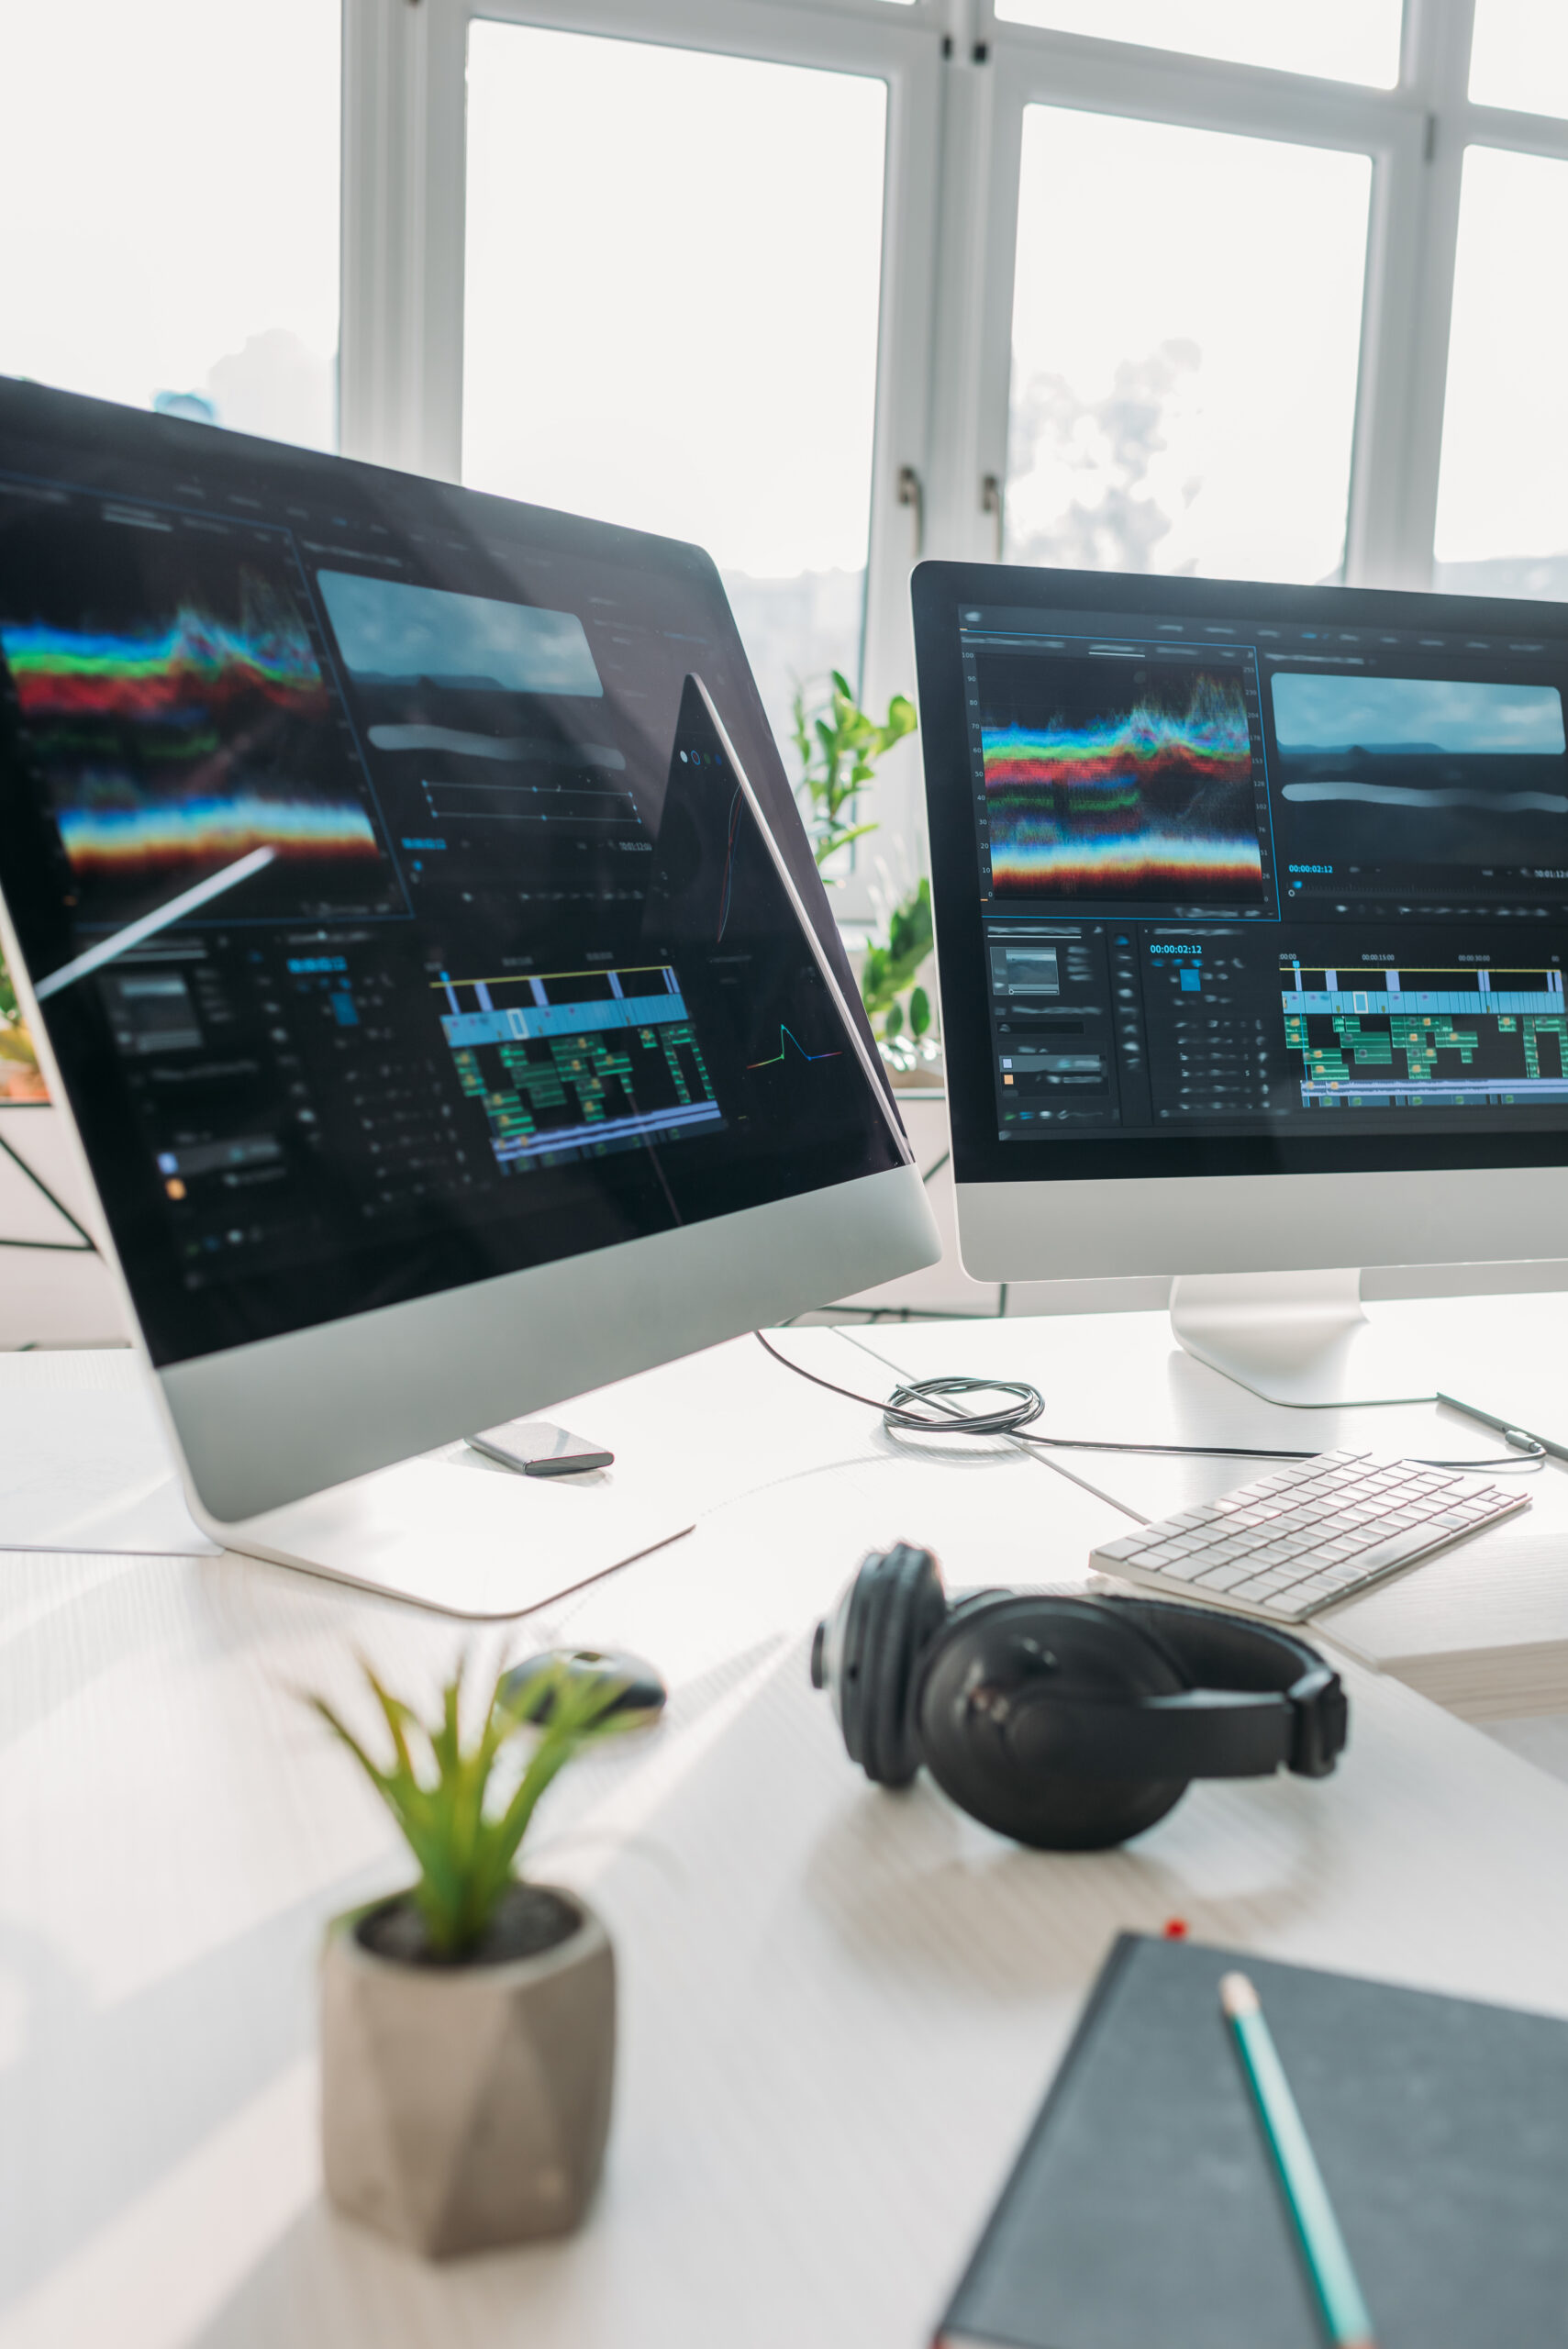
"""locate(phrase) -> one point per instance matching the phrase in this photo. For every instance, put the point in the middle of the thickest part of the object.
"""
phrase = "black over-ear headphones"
(1068, 1723)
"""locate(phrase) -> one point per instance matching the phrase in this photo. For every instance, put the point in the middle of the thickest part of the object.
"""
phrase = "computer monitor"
(1251, 912)
(424, 946)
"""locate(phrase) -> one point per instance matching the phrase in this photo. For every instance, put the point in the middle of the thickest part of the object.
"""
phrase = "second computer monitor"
(1252, 905)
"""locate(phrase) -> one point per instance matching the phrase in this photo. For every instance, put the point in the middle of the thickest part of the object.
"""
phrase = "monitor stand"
(453, 1531)
(1297, 1337)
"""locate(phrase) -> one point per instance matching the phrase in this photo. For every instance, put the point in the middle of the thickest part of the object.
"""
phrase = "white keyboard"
(1314, 1534)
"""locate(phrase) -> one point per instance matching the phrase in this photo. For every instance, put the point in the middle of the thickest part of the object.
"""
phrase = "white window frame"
(958, 82)
(404, 178)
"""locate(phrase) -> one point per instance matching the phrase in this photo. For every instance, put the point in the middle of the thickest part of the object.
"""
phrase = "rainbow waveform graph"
(175, 749)
(110, 840)
(1153, 800)
(184, 672)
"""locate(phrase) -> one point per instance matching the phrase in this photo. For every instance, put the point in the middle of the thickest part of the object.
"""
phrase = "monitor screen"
(1243, 878)
(400, 916)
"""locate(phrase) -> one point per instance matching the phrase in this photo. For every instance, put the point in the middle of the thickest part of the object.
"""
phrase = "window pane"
(170, 171)
(1503, 492)
(1185, 349)
(689, 343)
(1520, 56)
(1345, 40)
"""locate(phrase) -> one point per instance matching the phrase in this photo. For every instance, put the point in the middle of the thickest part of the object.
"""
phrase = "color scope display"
(172, 700)
(1110, 781)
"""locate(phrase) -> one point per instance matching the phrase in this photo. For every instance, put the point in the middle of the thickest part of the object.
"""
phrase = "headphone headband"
(1245, 1674)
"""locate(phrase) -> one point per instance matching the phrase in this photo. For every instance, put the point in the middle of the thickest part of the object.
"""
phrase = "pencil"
(1344, 2311)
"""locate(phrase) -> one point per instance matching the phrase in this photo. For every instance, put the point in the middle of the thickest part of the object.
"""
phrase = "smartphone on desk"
(539, 1449)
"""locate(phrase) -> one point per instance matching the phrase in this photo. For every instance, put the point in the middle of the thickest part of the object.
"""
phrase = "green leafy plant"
(438, 1788)
(839, 745)
(889, 971)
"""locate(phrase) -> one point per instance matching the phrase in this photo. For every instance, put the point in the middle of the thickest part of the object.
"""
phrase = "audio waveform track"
(1135, 789)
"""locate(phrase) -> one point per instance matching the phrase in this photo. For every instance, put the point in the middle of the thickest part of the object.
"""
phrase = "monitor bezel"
(938, 591)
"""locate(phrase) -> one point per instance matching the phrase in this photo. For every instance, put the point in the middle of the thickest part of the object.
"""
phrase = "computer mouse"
(642, 1692)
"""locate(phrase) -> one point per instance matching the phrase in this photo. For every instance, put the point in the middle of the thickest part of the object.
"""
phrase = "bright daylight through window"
(689, 346)
(1503, 503)
(1142, 438)
(1520, 56)
(1346, 41)
(197, 236)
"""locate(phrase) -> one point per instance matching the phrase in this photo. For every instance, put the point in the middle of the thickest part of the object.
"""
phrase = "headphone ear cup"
(904, 1605)
(1016, 1660)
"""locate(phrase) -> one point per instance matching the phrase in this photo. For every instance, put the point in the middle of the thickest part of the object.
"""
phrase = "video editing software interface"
(516, 974)
(1237, 878)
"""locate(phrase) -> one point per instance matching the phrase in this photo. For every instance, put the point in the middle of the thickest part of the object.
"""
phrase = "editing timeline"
(1245, 880)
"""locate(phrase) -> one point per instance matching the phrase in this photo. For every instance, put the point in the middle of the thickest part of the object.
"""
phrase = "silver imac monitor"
(1251, 912)
(424, 947)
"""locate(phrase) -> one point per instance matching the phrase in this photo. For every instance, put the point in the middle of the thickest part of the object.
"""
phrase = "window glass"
(1185, 349)
(1518, 56)
(688, 344)
(170, 175)
(1501, 525)
(1345, 40)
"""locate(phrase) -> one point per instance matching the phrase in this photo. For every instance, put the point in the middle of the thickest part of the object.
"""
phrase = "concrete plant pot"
(465, 2105)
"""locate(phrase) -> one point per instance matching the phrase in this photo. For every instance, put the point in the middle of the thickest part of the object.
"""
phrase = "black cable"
(83, 1245)
(1028, 1405)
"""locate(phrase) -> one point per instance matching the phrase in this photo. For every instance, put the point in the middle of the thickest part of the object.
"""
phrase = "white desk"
(1483, 1628)
(839, 2007)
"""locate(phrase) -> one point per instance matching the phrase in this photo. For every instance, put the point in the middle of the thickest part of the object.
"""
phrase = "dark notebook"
(1144, 2209)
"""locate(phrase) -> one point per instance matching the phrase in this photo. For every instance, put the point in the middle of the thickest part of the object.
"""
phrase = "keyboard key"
(1398, 1551)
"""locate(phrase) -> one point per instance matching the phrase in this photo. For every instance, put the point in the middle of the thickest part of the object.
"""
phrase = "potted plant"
(468, 2021)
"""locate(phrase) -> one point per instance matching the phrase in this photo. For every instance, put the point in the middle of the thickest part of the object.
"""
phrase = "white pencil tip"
(1237, 1996)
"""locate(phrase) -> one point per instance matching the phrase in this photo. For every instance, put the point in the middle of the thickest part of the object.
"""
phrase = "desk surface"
(1482, 1628)
(839, 2007)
